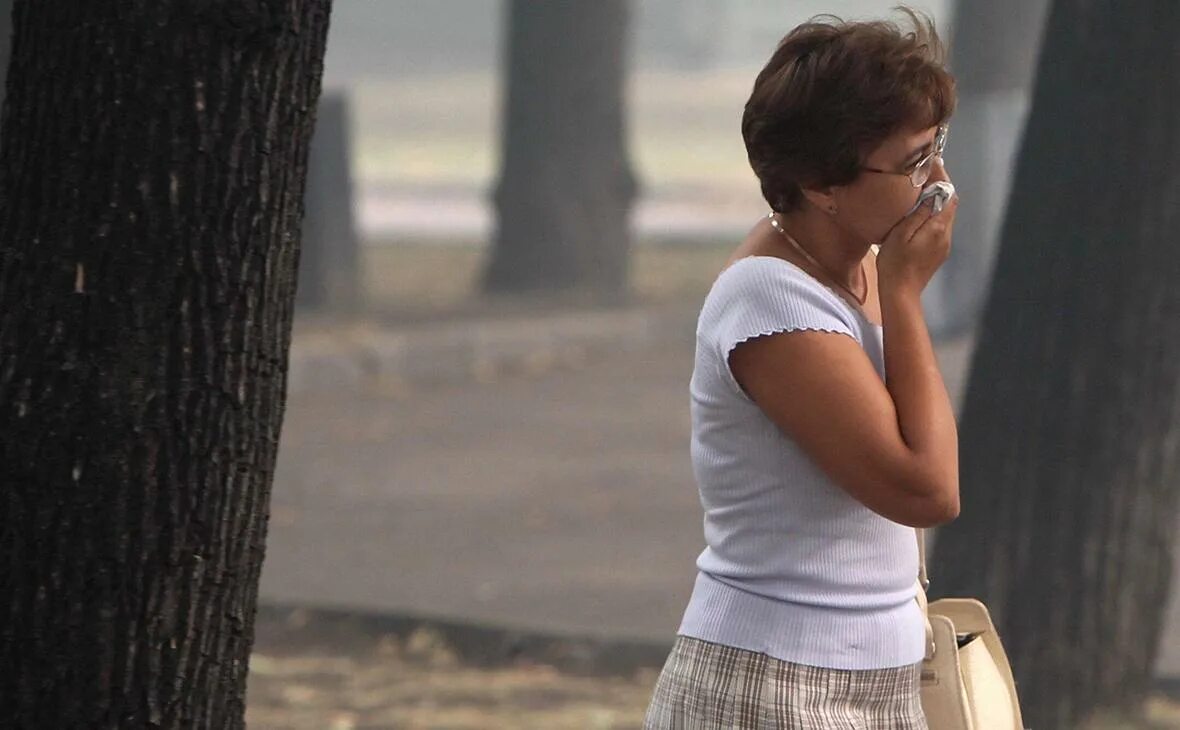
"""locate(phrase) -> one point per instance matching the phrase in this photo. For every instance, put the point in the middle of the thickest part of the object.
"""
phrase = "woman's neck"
(838, 250)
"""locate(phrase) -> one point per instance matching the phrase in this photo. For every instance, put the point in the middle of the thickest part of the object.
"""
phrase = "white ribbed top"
(795, 567)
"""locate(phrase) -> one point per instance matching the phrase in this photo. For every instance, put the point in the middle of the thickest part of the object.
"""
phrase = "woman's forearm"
(925, 416)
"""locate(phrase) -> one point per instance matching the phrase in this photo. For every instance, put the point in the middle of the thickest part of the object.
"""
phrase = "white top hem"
(832, 638)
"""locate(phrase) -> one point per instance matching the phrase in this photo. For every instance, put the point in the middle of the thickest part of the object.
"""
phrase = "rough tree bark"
(1071, 425)
(151, 182)
(5, 45)
(994, 49)
(566, 184)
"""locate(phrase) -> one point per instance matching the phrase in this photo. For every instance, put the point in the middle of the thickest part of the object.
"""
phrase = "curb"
(367, 356)
(481, 646)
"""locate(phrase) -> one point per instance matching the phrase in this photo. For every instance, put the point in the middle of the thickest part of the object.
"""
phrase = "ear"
(824, 199)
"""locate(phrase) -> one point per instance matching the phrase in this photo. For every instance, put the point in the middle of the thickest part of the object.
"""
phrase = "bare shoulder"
(761, 240)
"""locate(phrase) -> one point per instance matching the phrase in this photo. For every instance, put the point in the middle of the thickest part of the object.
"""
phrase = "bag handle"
(923, 576)
(965, 612)
(920, 595)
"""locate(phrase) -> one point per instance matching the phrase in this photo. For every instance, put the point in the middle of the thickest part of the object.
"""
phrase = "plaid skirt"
(707, 685)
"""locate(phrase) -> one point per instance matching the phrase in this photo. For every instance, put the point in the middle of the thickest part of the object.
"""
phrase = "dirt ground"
(307, 674)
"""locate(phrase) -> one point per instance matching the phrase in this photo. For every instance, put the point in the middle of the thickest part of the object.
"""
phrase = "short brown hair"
(833, 91)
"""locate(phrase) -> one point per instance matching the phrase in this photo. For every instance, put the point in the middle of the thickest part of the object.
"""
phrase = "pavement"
(528, 472)
(362, 356)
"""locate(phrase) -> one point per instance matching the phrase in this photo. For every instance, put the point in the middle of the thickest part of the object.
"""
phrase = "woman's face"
(877, 199)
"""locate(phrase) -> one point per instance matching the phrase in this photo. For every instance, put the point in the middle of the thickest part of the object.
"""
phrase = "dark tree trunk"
(151, 182)
(328, 277)
(993, 54)
(566, 184)
(1071, 424)
(5, 46)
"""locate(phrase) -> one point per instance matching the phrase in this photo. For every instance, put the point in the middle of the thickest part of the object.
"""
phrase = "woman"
(822, 430)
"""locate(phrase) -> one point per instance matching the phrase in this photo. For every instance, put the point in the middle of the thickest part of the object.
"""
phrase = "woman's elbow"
(918, 500)
(935, 509)
(933, 504)
(940, 511)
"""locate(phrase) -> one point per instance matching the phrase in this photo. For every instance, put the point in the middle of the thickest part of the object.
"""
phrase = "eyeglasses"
(920, 172)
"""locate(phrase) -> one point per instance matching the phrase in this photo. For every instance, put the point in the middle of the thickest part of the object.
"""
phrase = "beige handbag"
(966, 679)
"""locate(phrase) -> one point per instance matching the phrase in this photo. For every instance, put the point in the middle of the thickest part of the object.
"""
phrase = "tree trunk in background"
(994, 50)
(152, 180)
(1071, 424)
(566, 186)
(329, 279)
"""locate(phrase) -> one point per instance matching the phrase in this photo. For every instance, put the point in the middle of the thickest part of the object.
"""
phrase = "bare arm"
(893, 447)
(925, 416)
(822, 391)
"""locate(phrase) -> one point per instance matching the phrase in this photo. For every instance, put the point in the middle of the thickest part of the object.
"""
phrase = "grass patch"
(684, 129)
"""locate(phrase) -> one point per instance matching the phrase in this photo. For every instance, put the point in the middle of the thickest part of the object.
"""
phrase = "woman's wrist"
(899, 291)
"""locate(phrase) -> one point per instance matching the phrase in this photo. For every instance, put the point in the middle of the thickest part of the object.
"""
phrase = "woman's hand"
(916, 247)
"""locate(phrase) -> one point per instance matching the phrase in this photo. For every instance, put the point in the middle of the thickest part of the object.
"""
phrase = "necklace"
(860, 300)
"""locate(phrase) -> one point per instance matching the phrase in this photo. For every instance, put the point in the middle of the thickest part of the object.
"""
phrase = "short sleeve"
(762, 295)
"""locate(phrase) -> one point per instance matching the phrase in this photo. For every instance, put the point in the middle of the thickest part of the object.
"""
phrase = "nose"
(939, 174)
